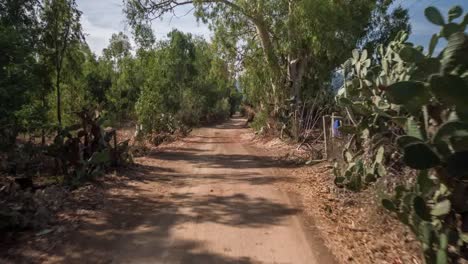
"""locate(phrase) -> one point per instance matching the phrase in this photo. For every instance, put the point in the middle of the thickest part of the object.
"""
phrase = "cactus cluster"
(423, 98)
(86, 150)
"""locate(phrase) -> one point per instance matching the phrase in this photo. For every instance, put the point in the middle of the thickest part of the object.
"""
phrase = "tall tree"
(18, 66)
(144, 36)
(119, 48)
(185, 83)
(297, 37)
(62, 29)
(384, 25)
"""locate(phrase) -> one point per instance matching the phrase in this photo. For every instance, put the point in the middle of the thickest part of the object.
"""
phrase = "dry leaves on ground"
(354, 226)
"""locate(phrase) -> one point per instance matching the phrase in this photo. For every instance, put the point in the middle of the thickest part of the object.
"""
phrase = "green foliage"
(261, 121)
(187, 84)
(86, 150)
(423, 99)
(61, 35)
(286, 49)
(20, 79)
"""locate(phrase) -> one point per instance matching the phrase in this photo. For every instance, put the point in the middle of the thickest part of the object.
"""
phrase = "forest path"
(210, 198)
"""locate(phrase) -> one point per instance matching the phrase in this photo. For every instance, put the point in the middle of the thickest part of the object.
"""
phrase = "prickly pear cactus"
(424, 94)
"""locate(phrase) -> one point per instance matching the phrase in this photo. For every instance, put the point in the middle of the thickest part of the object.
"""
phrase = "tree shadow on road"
(232, 161)
(133, 224)
(139, 229)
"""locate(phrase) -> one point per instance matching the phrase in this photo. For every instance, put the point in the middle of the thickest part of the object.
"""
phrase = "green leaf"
(339, 180)
(411, 94)
(99, 158)
(412, 129)
(404, 218)
(455, 12)
(443, 241)
(450, 129)
(345, 101)
(363, 55)
(367, 63)
(361, 109)
(356, 54)
(464, 237)
(457, 165)
(404, 37)
(442, 257)
(385, 66)
(426, 231)
(424, 183)
(450, 29)
(441, 208)
(348, 156)
(451, 136)
(380, 155)
(450, 89)
(460, 143)
(420, 156)
(434, 16)
(404, 141)
(421, 209)
(381, 170)
(399, 191)
(370, 178)
(410, 54)
(389, 205)
(433, 44)
(408, 199)
(464, 23)
(455, 53)
(426, 68)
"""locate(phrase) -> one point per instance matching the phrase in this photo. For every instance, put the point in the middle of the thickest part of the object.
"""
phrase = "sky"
(422, 30)
(102, 18)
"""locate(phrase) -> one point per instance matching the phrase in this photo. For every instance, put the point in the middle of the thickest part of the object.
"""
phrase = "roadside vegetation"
(284, 64)
(61, 106)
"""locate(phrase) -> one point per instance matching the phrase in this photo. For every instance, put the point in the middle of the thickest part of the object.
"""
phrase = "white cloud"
(96, 36)
(104, 17)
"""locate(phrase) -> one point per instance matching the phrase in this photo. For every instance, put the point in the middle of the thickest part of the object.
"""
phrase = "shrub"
(418, 102)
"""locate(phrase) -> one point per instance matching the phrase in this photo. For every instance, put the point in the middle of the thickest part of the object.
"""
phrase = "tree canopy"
(298, 40)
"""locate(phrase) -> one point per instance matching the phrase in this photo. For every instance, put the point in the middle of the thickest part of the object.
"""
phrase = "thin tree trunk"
(43, 130)
(271, 60)
(59, 106)
(60, 56)
(298, 70)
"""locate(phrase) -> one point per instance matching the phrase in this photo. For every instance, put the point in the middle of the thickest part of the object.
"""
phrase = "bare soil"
(217, 196)
(354, 226)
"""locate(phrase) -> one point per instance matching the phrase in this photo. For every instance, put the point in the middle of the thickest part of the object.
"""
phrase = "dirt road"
(207, 199)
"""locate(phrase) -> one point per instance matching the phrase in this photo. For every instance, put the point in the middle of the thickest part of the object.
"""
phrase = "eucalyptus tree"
(119, 47)
(61, 31)
(298, 38)
(185, 82)
(18, 66)
(249, 13)
(144, 37)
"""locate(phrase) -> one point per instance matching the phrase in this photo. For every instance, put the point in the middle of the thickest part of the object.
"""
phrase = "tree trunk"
(59, 106)
(271, 59)
(297, 69)
(44, 103)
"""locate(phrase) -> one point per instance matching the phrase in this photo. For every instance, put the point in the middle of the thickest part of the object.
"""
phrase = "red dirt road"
(207, 199)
